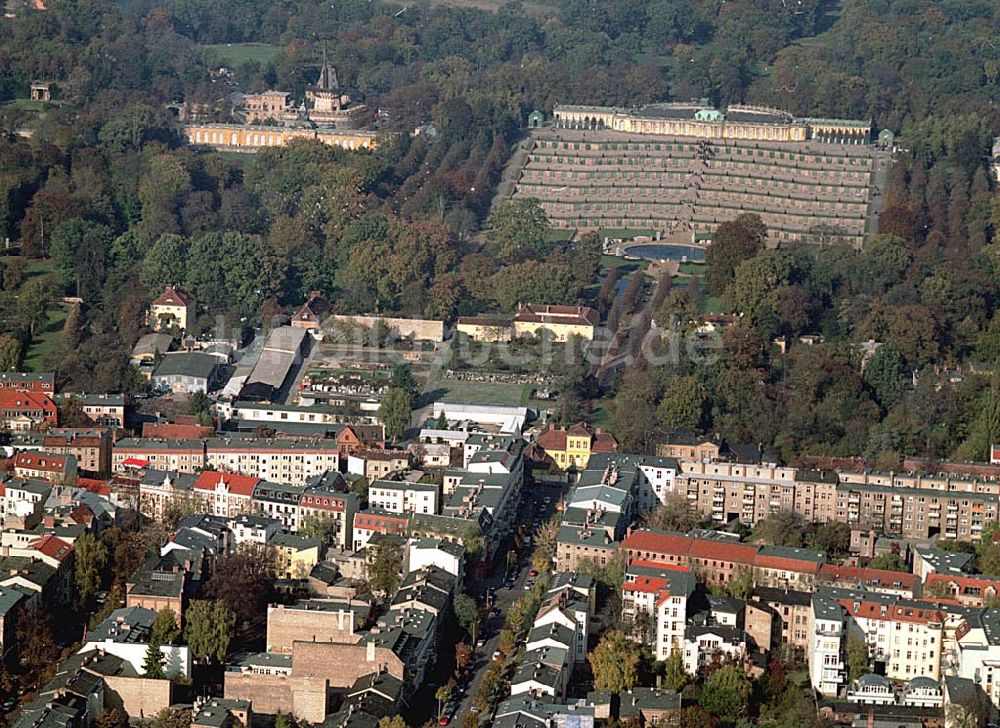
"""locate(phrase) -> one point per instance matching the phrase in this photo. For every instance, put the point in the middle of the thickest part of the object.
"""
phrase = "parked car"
(533, 573)
(497, 654)
(445, 719)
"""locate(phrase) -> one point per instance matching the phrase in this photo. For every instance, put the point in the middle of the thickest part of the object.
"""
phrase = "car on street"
(533, 573)
(445, 719)
(497, 654)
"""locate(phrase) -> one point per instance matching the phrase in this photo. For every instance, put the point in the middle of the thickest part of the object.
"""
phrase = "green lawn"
(501, 394)
(27, 105)
(34, 267)
(627, 266)
(238, 53)
(688, 268)
(711, 304)
(601, 416)
(45, 340)
(238, 157)
(559, 235)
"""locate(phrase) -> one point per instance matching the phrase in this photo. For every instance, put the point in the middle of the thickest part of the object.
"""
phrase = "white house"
(248, 528)
(403, 497)
(507, 419)
(554, 613)
(825, 649)
(659, 476)
(125, 634)
(923, 692)
(446, 555)
(702, 644)
(871, 690)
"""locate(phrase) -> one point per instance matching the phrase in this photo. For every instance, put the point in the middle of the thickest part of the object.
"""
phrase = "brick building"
(90, 446)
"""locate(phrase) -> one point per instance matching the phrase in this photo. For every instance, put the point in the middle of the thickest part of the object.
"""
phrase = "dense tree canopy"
(107, 190)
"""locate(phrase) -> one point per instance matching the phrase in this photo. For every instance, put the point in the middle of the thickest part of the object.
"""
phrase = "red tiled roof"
(237, 484)
(861, 575)
(172, 296)
(873, 610)
(647, 584)
(82, 514)
(40, 461)
(963, 582)
(645, 564)
(94, 485)
(604, 442)
(313, 309)
(787, 564)
(720, 551)
(53, 547)
(11, 400)
(677, 545)
(369, 521)
(171, 430)
(658, 543)
(554, 439)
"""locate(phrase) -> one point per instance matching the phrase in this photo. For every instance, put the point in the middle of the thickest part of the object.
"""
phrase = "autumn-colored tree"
(615, 663)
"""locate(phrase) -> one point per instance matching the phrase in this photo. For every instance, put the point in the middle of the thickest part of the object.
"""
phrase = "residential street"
(534, 512)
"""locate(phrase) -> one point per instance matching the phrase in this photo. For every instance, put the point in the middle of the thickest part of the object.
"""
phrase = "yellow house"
(295, 556)
(485, 328)
(561, 322)
(171, 308)
(571, 448)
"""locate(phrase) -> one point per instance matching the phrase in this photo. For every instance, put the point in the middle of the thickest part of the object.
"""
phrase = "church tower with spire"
(328, 104)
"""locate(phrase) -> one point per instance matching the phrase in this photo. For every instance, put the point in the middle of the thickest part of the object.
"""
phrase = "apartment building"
(369, 523)
(598, 511)
(40, 382)
(375, 463)
(280, 501)
(21, 411)
(225, 494)
(570, 448)
(403, 496)
(905, 638)
(277, 460)
(158, 490)
(973, 590)
(877, 580)
(179, 456)
(60, 469)
(23, 499)
(904, 505)
(752, 492)
(919, 513)
(792, 609)
(104, 410)
(90, 446)
(719, 561)
(654, 602)
(321, 501)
